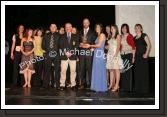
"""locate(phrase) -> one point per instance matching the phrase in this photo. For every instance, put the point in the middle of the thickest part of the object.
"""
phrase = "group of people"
(90, 58)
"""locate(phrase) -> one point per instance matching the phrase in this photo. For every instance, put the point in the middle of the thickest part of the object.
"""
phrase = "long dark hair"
(116, 28)
(101, 27)
(39, 29)
(17, 31)
(127, 28)
(106, 32)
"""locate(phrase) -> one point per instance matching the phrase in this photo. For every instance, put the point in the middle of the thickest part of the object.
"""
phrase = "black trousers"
(48, 68)
(16, 68)
(78, 71)
(85, 67)
(52, 76)
(39, 68)
(126, 82)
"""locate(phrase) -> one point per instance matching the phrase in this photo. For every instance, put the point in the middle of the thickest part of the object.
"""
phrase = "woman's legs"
(108, 77)
(117, 75)
(112, 79)
(29, 78)
(25, 78)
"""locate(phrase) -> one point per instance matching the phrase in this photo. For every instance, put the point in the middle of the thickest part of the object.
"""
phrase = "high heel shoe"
(115, 89)
(24, 85)
(110, 87)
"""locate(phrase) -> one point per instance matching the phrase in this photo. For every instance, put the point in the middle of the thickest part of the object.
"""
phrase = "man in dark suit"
(86, 59)
(50, 44)
(68, 52)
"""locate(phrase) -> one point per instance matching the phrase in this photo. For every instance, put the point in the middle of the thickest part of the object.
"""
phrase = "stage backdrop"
(142, 14)
(34, 16)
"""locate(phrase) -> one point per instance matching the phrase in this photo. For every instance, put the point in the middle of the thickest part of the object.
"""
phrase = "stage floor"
(36, 96)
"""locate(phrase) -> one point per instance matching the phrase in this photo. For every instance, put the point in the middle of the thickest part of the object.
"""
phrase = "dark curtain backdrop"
(42, 16)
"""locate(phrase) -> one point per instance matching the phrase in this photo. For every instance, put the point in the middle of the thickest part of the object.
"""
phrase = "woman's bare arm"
(147, 40)
(13, 46)
(118, 44)
(101, 39)
(22, 48)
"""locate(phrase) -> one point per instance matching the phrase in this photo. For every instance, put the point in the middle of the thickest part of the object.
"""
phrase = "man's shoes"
(44, 88)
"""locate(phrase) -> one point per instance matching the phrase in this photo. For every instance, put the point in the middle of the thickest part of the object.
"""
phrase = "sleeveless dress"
(113, 62)
(17, 59)
(141, 66)
(99, 79)
(38, 51)
(27, 61)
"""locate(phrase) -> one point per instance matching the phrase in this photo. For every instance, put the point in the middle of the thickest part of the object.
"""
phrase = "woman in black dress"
(16, 53)
(141, 66)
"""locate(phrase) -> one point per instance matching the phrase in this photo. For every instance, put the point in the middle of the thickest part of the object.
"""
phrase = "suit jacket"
(46, 43)
(65, 45)
(91, 37)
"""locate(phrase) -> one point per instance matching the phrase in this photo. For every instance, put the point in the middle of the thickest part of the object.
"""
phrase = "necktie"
(51, 41)
(85, 32)
(69, 37)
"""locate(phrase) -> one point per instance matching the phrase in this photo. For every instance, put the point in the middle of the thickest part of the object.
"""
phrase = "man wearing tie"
(87, 36)
(50, 44)
(68, 44)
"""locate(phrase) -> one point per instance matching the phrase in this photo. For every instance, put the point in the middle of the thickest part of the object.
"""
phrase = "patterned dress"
(27, 61)
(113, 62)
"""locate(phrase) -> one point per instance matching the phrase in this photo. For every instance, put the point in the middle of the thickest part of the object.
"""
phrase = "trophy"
(84, 39)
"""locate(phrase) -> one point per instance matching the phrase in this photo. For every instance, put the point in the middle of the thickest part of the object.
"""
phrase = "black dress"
(141, 66)
(17, 59)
